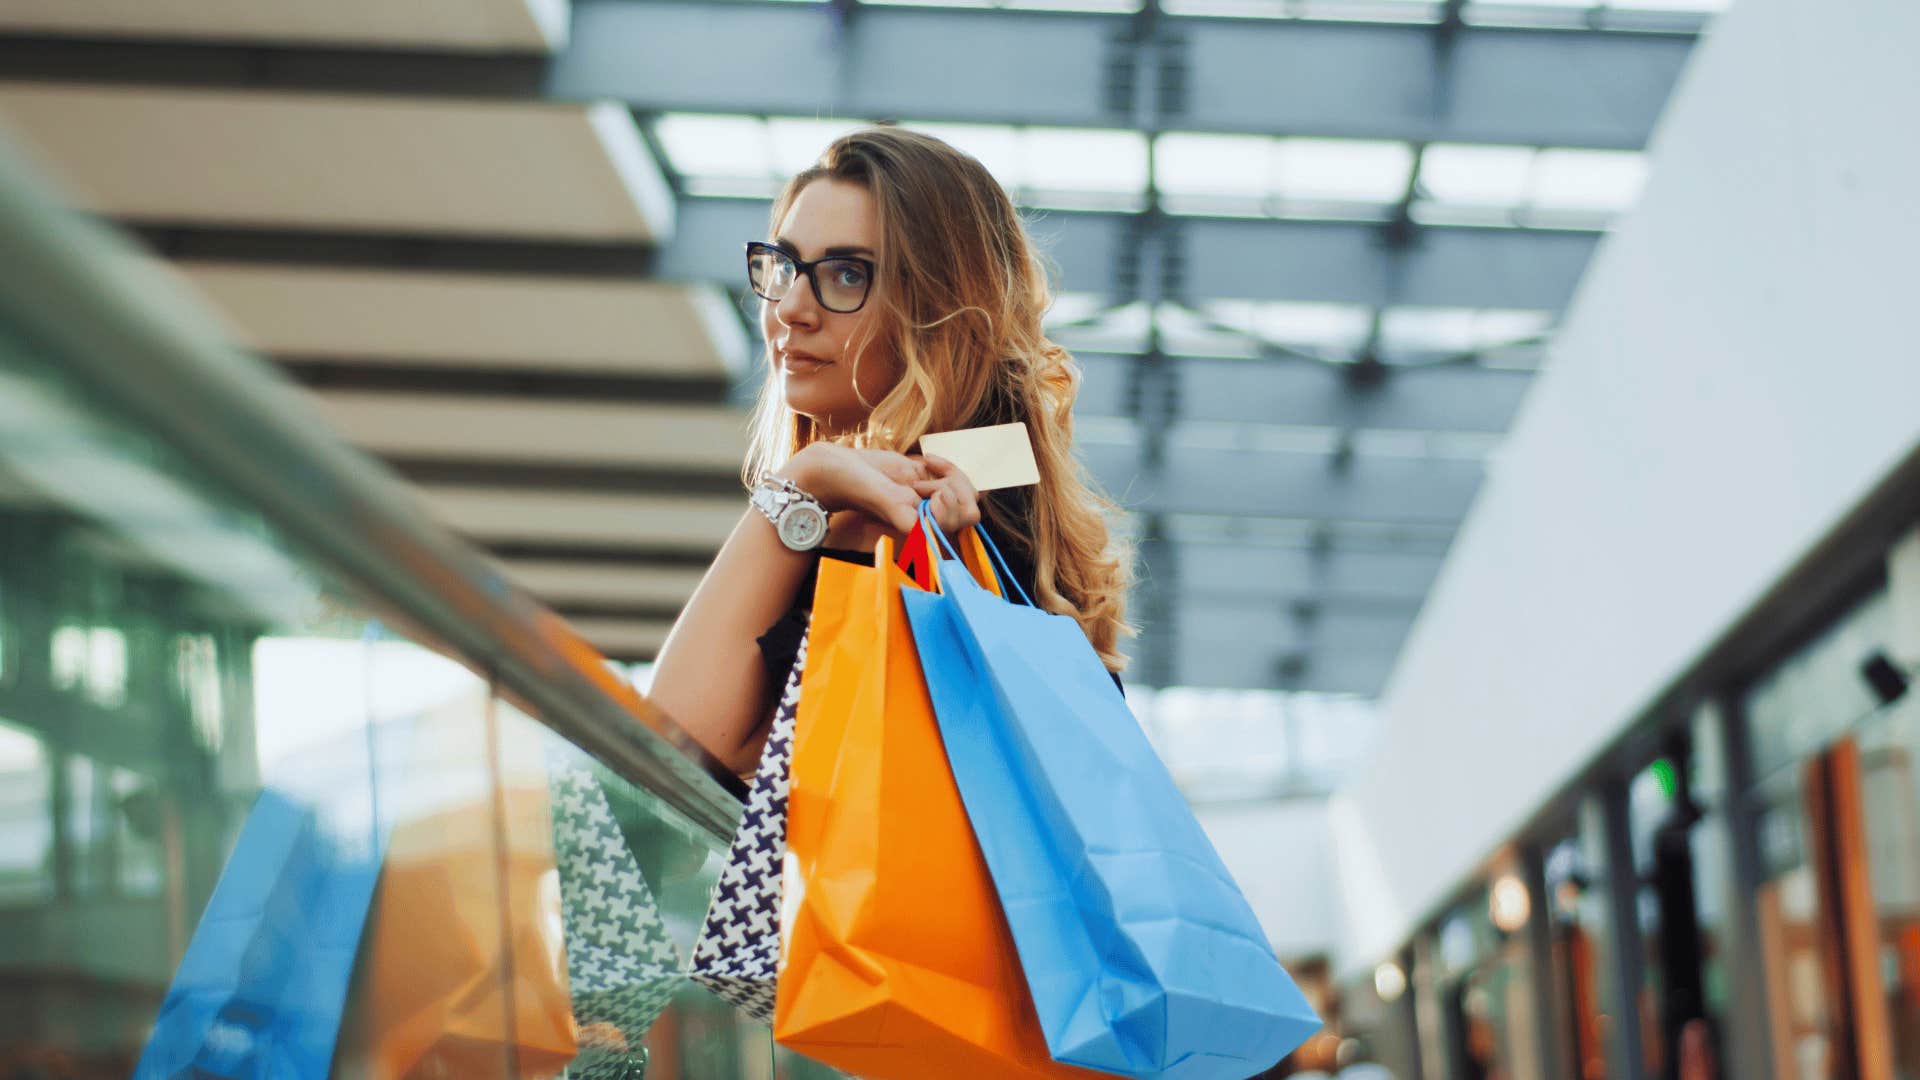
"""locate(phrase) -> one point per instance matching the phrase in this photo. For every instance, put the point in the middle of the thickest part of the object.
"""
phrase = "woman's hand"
(956, 505)
(877, 483)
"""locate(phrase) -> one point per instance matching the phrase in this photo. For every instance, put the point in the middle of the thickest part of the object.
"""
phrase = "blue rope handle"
(999, 562)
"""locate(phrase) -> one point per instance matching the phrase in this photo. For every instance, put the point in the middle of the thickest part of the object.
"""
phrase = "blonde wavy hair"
(960, 290)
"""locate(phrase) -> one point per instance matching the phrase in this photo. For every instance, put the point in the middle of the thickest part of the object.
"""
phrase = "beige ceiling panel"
(273, 159)
(505, 321)
(623, 637)
(502, 515)
(463, 25)
(562, 583)
(538, 430)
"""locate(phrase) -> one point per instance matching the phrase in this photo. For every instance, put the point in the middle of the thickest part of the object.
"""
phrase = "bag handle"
(932, 528)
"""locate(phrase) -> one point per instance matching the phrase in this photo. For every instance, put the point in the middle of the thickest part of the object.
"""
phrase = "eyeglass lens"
(841, 284)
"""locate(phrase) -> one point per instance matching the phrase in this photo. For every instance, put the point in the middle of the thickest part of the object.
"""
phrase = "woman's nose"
(798, 305)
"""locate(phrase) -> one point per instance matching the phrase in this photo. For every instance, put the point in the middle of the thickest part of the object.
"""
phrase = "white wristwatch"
(797, 516)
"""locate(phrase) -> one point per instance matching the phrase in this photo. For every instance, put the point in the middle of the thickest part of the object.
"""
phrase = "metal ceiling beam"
(1584, 88)
(1288, 485)
(1232, 258)
(1452, 398)
(1253, 665)
(1241, 573)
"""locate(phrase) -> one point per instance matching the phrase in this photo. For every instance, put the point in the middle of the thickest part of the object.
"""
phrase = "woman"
(901, 295)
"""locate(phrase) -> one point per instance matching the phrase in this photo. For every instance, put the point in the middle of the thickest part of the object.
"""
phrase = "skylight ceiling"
(1201, 173)
(1595, 14)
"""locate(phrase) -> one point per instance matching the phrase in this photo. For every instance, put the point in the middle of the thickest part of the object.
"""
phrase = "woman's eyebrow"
(838, 249)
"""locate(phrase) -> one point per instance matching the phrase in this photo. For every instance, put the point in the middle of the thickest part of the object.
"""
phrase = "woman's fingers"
(897, 467)
(954, 504)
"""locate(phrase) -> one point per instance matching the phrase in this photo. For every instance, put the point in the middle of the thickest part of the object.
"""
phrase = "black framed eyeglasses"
(840, 282)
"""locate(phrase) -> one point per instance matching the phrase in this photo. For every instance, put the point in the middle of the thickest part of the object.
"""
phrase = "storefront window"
(1573, 920)
(26, 818)
(1488, 992)
(1890, 791)
(1836, 868)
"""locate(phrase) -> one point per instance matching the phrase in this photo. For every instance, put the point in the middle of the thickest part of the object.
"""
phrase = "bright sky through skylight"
(1588, 179)
(731, 146)
(797, 143)
(1476, 175)
(1193, 164)
(1362, 170)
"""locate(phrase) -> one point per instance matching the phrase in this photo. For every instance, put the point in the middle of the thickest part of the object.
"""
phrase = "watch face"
(803, 527)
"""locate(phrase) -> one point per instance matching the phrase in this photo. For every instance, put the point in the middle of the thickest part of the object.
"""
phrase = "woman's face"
(808, 344)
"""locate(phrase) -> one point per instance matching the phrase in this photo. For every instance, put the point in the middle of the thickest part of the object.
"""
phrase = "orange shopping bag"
(895, 958)
(463, 967)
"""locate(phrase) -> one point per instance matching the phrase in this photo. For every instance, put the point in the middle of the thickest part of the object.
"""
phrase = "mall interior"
(1504, 400)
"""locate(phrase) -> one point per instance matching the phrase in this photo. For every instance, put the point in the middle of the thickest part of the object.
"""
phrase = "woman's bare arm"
(710, 678)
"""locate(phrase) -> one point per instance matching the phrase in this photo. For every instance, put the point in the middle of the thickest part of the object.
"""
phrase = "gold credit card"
(992, 457)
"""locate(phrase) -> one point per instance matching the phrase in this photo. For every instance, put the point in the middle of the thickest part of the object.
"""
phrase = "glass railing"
(287, 770)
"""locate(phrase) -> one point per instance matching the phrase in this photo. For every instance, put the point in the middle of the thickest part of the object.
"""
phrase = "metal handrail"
(139, 341)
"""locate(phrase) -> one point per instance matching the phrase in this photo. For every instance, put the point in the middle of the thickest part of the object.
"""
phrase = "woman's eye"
(850, 275)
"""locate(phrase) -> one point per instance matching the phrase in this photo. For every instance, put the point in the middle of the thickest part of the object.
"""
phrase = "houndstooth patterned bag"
(737, 954)
(622, 966)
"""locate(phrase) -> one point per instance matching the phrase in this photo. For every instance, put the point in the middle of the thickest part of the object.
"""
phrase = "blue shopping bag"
(261, 990)
(1142, 955)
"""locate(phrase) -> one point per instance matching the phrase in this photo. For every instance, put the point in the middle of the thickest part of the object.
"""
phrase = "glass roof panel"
(1494, 327)
(1474, 175)
(935, 3)
(996, 146)
(1332, 326)
(1338, 327)
(1355, 170)
(1369, 10)
(1190, 164)
(1073, 5)
(1072, 307)
(1704, 6)
(1602, 180)
(797, 144)
(1429, 330)
(718, 145)
(1084, 159)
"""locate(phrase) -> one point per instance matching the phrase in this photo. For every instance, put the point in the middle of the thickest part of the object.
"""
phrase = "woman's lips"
(797, 363)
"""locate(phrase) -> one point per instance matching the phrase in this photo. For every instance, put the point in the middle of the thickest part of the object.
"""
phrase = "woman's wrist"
(804, 471)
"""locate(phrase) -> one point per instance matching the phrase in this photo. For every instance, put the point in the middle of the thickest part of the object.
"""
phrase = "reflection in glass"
(166, 655)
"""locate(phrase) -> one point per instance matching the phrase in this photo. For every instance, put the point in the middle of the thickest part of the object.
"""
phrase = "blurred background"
(1511, 405)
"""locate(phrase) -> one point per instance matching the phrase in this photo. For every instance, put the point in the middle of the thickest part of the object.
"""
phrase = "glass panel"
(1190, 164)
(722, 146)
(26, 817)
(1344, 170)
(1796, 934)
(1597, 180)
(1076, 159)
(1890, 789)
(1817, 693)
(1498, 1017)
(996, 146)
(797, 144)
(1475, 175)
(194, 704)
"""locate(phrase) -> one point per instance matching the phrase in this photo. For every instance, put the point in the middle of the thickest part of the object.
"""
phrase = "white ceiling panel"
(451, 427)
(414, 166)
(459, 25)
(505, 321)
(509, 515)
(560, 583)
